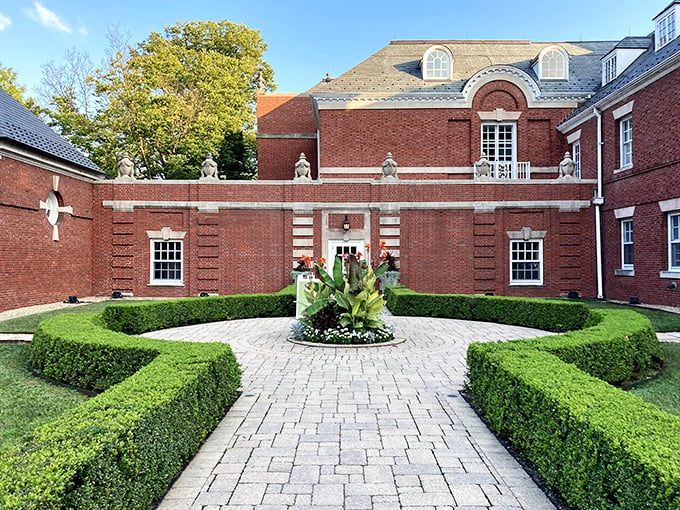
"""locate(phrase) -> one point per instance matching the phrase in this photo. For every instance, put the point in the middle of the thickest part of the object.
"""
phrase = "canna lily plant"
(351, 298)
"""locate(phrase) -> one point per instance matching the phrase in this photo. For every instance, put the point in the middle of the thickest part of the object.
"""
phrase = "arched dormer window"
(437, 64)
(553, 64)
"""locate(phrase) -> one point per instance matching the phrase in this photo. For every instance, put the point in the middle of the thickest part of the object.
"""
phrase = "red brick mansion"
(512, 167)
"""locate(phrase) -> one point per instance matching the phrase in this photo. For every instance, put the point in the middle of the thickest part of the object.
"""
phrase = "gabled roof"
(19, 125)
(396, 67)
(647, 61)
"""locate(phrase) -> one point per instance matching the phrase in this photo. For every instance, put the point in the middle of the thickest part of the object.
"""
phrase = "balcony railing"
(503, 170)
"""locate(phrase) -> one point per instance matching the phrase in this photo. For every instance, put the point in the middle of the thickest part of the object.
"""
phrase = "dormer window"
(437, 64)
(553, 64)
(609, 69)
(665, 28)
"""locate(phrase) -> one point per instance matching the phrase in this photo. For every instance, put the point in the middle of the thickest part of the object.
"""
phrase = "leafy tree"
(8, 82)
(170, 100)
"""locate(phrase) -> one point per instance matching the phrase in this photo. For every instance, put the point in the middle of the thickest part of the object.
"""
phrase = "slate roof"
(21, 126)
(645, 62)
(395, 68)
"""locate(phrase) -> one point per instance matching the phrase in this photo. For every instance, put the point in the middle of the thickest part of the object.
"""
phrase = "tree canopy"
(9, 83)
(166, 102)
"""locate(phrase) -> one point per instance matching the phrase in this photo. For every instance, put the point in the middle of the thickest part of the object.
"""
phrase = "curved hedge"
(600, 447)
(122, 449)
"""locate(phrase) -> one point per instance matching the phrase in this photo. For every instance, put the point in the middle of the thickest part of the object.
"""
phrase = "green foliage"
(661, 320)
(27, 401)
(9, 83)
(352, 296)
(167, 101)
(134, 318)
(600, 447)
(237, 155)
(124, 447)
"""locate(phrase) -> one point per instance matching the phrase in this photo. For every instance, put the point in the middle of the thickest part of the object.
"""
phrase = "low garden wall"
(159, 401)
(600, 447)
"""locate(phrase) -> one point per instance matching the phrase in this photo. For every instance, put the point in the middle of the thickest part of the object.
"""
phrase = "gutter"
(598, 201)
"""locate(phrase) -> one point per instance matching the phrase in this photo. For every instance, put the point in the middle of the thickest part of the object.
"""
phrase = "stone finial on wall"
(389, 168)
(209, 169)
(303, 170)
(483, 167)
(567, 168)
(125, 168)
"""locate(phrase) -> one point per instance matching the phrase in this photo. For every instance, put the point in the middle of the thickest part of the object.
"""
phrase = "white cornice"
(34, 159)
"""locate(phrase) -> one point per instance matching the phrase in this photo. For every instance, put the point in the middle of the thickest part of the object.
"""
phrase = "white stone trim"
(303, 220)
(350, 207)
(499, 115)
(624, 212)
(299, 253)
(392, 242)
(574, 137)
(674, 275)
(390, 220)
(402, 170)
(526, 234)
(166, 234)
(304, 242)
(386, 232)
(670, 205)
(303, 232)
(624, 110)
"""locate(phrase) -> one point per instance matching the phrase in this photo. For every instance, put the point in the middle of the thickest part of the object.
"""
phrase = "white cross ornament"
(53, 209)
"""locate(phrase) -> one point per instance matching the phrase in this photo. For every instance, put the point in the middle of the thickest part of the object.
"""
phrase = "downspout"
(598, 201)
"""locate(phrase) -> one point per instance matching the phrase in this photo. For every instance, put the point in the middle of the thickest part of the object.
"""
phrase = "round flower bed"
(304, 332)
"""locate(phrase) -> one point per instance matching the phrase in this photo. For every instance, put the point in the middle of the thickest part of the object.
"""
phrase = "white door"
(341, 248)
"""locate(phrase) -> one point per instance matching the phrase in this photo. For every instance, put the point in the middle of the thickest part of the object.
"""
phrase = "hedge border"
(161, 399)
(598, 446)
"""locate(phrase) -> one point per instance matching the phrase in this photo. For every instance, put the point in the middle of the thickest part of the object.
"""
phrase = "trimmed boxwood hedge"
(598, 446)
(160, 400)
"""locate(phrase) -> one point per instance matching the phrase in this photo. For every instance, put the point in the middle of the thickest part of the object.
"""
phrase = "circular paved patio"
(352, 428)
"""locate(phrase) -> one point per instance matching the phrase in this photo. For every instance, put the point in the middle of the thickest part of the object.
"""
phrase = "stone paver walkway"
(352, 428)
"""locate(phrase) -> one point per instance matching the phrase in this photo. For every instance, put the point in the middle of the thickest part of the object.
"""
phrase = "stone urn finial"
(303, 170)
(567, 168)
(389, 168)
(483, 167)
(125, 168)
(209, 169)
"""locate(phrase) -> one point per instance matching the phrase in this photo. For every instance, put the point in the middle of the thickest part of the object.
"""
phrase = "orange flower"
(382, 244)
(322, 261)
(367, 246)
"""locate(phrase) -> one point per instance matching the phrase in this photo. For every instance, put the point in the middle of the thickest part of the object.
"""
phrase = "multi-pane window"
(609, 70)
(498, 143)
(626, 244)
(438, 65)
(674, 242)
(626, 141)
(166, 261)
(552, 65)
(576, 156)
(526, 262)
(665, 30)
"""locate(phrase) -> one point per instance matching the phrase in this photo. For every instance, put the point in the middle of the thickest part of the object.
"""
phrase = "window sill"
(166, 284)
(623, 168)
(674, 274)
(624, 272)
(527, 284)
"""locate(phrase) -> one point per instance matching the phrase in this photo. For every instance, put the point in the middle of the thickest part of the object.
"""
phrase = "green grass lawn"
(25, 400)
(664, 391)
(29, 323)
(662, 321)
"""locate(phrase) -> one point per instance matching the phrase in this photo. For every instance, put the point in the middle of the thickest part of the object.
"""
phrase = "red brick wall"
(34, 269)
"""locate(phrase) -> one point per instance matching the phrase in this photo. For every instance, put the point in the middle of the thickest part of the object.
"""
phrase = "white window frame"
(550, 70)
(576, 157)
(626, 141)
(673, 239)
(666, 30)
(526, 249)
(609, 69)
(627, 240)
(494, 154)
(166, 235)
(437, 64)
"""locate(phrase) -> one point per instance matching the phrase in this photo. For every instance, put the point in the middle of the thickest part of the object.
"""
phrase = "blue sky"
(308, 39)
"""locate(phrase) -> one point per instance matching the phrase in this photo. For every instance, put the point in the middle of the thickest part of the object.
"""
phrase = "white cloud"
(4, 21)
(83, 31)
(50, 19)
